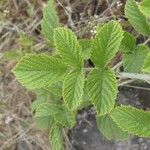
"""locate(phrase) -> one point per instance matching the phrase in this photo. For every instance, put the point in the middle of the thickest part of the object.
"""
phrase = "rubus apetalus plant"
(64, 85)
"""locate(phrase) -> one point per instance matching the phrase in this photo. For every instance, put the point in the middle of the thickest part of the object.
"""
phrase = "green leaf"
(65, 118)
(102, 89)
(56, 137)
(73, 89)
(36, 71)
(110, 129)
(25, 40)
(36, 104)
(47, 110)
(50, 21)
(132, 120)
(106, 43)
(136, 18)
(13, 55)
(42, 97)
(86, 45)
(55, 88)
(146, 66)
(134, 60)
(43, 122)
(67, 45)
(128, 43)
(144, 7)
(42, 94)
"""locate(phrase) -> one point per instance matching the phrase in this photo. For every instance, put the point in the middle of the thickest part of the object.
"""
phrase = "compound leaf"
(73, 89)
(56, 137)
(132, 120)
(136, 18)
(128, 43)
(106, 43)
(67, 45)
(144, 7)
(36, 71)
(50, 21)
(65, 118)
(110, 129)
(146, 66)
(133, 61)
(102, 89)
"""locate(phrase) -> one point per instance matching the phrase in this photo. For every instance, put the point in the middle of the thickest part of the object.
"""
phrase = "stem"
(136, 76)
(126, 75)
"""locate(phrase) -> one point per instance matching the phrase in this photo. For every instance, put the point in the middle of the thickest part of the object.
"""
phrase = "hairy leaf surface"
(56, 137)
(67, 45)
(102, 89)
(136, 18)
(73, 89)
(110, 129)
(106, 43)
(50, 21)
(36, 71)
(133, 61)
(132, 120)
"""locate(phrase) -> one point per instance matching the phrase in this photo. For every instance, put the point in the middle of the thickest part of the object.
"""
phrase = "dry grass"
(17, 127)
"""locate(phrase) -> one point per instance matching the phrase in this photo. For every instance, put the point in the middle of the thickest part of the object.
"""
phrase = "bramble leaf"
(65, 118)
(134, 60)
(128, 43)
(36, 71)
(132, 120)
(86, 47)
(136, 18)
(146, 66)
(144, 7)
(67, 45)
(106, 43)
(55, 88)
(42, 97)
(73, 89)
(43, 122)
(46, 109)
(102, 89)
(50, 21)
(56, 137)
(110, 129)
